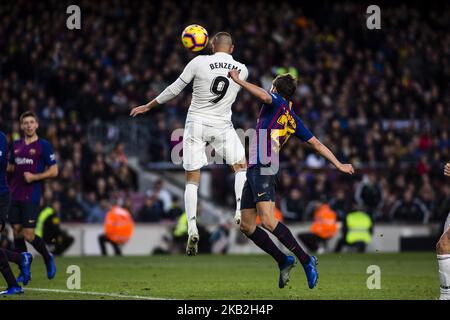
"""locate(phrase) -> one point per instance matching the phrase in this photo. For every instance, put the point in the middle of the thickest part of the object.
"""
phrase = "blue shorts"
(258, 187)
(23, 213)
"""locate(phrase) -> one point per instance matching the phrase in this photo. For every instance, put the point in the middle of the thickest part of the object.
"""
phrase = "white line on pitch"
(92, 293)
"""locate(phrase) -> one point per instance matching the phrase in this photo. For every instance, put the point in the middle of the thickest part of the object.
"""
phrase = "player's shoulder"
(198, 59)
(277, 99)
(44, 143)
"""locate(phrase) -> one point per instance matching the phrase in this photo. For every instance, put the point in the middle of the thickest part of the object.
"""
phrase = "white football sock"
(239, 180)
(444, 275)
(190, 203)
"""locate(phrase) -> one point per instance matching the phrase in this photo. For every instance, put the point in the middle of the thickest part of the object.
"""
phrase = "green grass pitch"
(344, 276)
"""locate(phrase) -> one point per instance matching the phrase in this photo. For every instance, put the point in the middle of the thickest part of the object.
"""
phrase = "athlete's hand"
(29, 177)
(233, 74)
(346, 168)
(447, 169)
(139, 110)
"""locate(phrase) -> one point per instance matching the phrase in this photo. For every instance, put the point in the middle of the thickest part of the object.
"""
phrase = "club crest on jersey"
(32, 152)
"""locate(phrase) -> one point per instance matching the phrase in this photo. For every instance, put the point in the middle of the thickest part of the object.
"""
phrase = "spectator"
(410, 209)
(160, 193)
(96, 210)
(369, 195)
(151, 211)
(175, 210)
(293, 206)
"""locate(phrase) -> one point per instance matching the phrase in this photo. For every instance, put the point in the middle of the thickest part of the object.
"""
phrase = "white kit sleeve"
(171, 91)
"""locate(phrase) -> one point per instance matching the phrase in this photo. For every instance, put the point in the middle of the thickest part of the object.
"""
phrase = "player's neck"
(31, 139)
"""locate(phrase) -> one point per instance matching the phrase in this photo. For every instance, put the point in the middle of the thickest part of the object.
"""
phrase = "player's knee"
(193, 177)
(246, 227)
(240, 166)
(29, 236)
(443, 245)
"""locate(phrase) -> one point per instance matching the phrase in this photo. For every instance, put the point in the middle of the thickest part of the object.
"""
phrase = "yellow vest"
(43, 216)
(182, 226)
(358, 227)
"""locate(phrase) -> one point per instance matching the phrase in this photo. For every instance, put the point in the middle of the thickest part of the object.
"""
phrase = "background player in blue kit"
(276, 123)
(31, 161)
(23, 260)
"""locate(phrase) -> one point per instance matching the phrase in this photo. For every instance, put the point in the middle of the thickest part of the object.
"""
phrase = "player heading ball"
(208, 121)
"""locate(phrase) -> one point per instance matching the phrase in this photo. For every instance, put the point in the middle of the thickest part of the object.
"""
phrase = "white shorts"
(223, 139)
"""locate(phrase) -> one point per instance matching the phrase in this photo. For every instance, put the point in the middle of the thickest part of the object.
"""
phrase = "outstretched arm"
(327, 154)
(256, 91)
(144, 108)
(306, 136)
(171, 91)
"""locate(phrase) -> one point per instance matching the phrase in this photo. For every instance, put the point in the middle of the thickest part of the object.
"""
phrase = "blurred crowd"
(378, 98)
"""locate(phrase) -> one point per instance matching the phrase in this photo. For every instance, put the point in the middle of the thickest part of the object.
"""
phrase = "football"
(194, 37)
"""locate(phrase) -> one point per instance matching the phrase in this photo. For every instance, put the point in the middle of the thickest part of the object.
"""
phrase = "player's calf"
(443, 257)
(443, 245)
(5, 270)
(268, 222)
(240, 170)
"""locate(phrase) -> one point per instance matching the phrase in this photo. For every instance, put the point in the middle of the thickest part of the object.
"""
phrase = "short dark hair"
(220, 36)
(286, 85)
(28, 114)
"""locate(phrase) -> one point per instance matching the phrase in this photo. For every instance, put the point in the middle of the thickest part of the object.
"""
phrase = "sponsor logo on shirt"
(22, 161)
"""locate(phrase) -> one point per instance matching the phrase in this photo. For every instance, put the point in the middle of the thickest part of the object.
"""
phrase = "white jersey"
(213, 91)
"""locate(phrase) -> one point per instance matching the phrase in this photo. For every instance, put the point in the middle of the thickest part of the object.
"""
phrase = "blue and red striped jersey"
(33, 158)
(276, 123)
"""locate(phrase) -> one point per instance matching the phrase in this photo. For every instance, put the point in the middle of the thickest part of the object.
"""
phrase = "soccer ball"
(194, 37)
